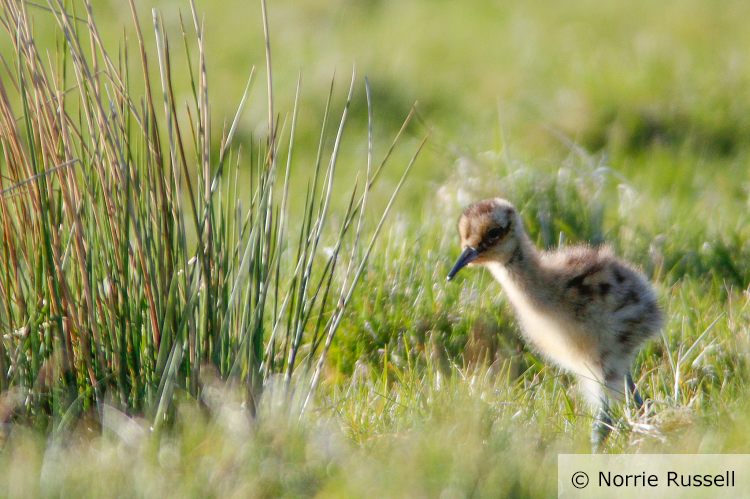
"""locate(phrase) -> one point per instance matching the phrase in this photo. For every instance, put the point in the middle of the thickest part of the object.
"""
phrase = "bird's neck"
(521, 275)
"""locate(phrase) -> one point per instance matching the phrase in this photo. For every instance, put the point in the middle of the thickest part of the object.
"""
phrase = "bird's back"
(604, 292)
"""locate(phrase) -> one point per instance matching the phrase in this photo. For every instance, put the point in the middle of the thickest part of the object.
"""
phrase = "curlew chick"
(581, 307)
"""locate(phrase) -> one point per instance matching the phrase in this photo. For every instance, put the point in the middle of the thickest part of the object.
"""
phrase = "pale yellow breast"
(558, 339)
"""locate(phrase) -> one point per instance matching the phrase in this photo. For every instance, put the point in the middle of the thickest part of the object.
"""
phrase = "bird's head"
(488, 231)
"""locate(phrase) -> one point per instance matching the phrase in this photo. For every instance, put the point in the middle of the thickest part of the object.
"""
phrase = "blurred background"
(659, 91)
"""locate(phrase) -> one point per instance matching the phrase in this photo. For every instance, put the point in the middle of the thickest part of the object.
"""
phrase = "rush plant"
(129, 262)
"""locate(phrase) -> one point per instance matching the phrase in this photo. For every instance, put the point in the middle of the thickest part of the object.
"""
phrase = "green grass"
(185, 316)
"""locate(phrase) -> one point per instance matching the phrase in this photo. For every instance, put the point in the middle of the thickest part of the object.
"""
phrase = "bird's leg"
(634, 391)
(598, 397)
(601, 427)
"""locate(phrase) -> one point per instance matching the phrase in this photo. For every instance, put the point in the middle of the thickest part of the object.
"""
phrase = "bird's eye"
(495, 233)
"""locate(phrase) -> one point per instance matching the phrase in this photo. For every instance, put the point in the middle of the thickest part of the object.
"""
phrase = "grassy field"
(195, 307)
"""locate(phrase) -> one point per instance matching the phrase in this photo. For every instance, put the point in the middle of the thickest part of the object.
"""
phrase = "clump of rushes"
(127, 264)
